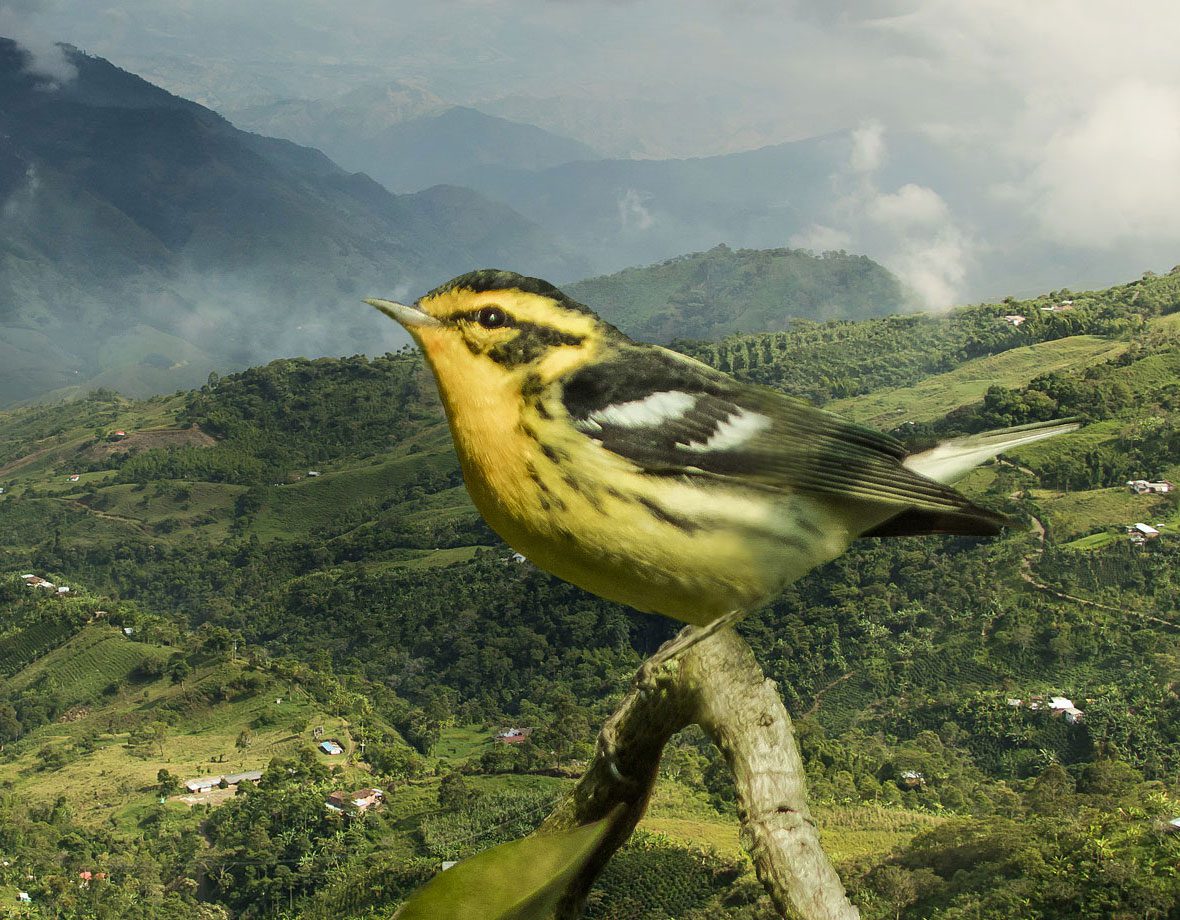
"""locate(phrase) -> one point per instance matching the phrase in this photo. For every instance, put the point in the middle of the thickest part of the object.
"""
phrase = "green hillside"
(707, 295)
(299, 533)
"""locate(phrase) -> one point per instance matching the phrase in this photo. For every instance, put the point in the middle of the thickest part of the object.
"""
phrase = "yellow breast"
(691, 551)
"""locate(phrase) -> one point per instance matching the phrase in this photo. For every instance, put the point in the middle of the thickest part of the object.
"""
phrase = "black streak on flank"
(667, 517)
(535, 477)
(551, 454)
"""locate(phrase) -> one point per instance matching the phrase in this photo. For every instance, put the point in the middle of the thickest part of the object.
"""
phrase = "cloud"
(1112, 173)
(911, 230)
(934, 267)
(46, 58)
(921, 243)
(911, 207)
(633, 212)
(868, 147)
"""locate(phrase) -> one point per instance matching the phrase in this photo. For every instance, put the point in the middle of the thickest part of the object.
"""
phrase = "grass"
(1082, 439)
(460, 743)
(436, 558)
(1070, 515)
(933, 397)
(685, 816)
(1093, 541)
(169, 510)
(295, 508)
(846, 832)
(1168, 323)
(855, 831)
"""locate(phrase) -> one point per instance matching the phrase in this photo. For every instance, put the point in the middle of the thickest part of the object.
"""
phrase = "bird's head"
(491, 326)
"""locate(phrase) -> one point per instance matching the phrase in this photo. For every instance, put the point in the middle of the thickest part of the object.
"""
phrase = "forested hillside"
(707, 295)
(292, 548)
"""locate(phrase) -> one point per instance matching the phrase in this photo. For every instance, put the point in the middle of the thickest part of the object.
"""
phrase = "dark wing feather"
(790, 445)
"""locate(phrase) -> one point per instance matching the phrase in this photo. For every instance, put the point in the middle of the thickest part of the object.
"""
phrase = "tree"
(169, 783)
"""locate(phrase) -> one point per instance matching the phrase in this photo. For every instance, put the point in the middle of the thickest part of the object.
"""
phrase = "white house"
(206, 783)
(1141, 532)
(1149, 486)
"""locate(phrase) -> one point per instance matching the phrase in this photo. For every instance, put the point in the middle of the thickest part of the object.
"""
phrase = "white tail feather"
(955, 458)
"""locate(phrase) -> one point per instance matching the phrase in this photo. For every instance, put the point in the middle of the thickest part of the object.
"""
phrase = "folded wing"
(670, 415)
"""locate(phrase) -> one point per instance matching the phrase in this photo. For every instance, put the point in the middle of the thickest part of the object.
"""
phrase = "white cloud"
(868, 147)
(934, 267)
(633, 212)
(910, 230)
(18, 21)
(910, 207)
(1113, 172)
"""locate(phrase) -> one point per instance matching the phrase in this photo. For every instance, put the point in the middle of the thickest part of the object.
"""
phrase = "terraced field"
(98, 656)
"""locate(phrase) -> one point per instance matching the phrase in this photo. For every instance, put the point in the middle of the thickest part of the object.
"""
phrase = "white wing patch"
(648, 412)
(735, 431)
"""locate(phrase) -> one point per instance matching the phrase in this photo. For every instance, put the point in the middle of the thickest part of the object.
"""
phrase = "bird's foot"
(670, 651)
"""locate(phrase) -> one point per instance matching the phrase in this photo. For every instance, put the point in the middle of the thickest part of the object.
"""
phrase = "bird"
(654, 480)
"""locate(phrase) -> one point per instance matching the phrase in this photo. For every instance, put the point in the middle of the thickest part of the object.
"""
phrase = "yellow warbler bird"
(651, 479)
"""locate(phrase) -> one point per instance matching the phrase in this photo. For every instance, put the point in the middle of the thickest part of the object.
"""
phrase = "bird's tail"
(952, 459)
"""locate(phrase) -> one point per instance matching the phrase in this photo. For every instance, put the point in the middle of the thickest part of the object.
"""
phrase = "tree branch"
(717, 684)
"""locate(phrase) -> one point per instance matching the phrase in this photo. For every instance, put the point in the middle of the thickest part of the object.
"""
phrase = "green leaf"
(519, 880)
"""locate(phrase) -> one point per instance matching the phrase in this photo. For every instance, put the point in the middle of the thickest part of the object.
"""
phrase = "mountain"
(407, 144)
(145, 240)
(360, 113)
(707, 295)
(626, 212)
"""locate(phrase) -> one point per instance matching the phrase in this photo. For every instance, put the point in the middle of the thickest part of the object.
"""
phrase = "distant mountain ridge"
(128, 214)
(706, 295)
(408, 146)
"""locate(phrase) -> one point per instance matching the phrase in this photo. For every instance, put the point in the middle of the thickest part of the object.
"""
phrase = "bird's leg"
(683, 641)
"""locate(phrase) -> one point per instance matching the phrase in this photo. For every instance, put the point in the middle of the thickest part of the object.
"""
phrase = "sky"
(1062, 117)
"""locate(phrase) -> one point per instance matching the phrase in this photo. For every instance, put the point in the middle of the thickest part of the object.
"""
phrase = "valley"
(296, 560)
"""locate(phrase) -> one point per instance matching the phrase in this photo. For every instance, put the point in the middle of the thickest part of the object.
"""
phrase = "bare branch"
(717, 684)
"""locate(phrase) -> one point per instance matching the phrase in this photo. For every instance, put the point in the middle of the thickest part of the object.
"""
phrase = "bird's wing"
(674, 416)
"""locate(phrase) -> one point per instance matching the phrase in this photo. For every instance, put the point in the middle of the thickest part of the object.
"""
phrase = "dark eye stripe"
(530, 343)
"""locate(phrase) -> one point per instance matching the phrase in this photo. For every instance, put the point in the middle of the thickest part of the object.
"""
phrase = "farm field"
(936, 395)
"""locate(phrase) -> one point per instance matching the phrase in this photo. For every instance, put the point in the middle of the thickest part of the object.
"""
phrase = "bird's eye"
(492, 317)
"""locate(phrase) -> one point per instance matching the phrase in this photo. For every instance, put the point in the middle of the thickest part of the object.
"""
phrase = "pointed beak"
(410, 317)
